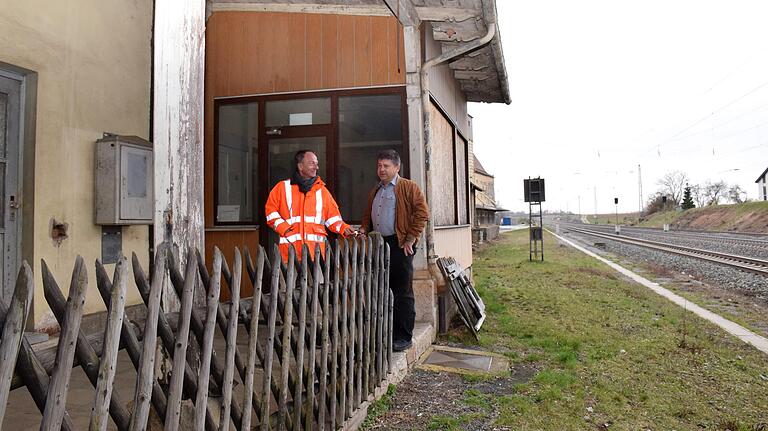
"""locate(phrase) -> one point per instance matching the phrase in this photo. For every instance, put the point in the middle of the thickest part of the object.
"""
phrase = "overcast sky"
(600, 87)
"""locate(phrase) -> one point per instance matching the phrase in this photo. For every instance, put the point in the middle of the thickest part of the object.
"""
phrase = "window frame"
(331, 129)
(457, 134)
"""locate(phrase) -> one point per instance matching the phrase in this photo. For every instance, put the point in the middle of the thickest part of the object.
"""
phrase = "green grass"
(729, 216)
(597, 341)
(379, 407)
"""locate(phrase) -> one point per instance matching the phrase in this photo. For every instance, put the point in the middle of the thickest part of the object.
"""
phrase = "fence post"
(110, 347)
(173, 413)
(13, 331)
(206, 343)
(231, 334)
(56, 400)
(250, 362)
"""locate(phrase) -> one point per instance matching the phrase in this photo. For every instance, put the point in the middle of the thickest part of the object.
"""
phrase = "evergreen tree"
(687, 199)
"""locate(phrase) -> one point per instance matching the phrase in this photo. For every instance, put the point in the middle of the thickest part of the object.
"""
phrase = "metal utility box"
(123, 180)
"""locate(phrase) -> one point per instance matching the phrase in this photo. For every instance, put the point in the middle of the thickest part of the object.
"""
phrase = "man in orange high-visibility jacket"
(301, 208)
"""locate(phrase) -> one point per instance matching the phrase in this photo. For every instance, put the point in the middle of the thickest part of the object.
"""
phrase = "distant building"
(762, 188)
(485, 226)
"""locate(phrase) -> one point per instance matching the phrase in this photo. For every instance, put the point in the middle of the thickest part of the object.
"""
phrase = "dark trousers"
(401, 284)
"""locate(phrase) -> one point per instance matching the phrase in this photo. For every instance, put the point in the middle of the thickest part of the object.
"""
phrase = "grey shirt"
(383, 208)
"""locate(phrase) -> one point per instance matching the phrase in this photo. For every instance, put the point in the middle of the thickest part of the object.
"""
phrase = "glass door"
(281, 164)
(290, 126)
(10, 111)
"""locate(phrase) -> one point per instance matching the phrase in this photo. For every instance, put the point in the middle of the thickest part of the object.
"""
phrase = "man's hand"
(348, 231)
(408, 248)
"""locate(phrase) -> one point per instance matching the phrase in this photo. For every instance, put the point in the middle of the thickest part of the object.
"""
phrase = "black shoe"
(400, 345)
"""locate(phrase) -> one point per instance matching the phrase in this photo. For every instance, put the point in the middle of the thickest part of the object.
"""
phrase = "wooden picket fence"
(315, 375)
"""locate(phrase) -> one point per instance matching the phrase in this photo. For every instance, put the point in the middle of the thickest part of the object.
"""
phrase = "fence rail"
(318, 340)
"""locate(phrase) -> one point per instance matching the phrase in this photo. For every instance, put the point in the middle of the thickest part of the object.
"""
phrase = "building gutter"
(425, 105)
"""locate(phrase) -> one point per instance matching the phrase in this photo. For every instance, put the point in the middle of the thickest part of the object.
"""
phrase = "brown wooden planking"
(227, 241)
(396, 56)
(346, 43)
(296, 53)
(249, 52)
(314, 52)
(379, 52)
(362, 51)
(330, 49)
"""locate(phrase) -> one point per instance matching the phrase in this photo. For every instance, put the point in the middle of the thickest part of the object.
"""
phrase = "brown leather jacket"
(411, 211)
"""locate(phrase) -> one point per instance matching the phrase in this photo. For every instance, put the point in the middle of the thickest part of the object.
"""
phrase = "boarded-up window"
(461, 180)
(441, 137)
(450, 171)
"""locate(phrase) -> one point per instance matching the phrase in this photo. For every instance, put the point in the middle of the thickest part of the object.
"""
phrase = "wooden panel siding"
(226, 241)
(250, 53)
(455, 242)
(265, 52)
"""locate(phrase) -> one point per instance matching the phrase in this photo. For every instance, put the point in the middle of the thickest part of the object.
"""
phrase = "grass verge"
(379, 407)
(608, 353)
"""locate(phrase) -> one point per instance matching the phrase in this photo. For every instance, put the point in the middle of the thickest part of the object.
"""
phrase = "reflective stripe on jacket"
(309, 214)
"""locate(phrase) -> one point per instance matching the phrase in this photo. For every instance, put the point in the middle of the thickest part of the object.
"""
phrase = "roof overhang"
(762, 176)
(480, 73)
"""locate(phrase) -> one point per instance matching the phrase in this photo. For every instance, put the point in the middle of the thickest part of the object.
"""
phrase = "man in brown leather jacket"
(397, 209)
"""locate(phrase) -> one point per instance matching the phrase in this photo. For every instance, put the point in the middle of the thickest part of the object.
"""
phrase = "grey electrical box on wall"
(123, 180)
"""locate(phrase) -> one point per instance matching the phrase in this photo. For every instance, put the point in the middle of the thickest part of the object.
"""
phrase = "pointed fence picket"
(318, 340)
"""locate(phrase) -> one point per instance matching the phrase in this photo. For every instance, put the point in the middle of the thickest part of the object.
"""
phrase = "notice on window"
(301, 119)
(228, 213)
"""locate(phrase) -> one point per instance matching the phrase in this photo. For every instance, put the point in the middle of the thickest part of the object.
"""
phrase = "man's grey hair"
(391, 155)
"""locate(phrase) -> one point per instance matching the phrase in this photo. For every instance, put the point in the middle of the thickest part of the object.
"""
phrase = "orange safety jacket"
(309, 214)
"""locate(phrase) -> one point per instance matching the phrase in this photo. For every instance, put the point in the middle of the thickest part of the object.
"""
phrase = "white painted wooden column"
(179, 63)
(412, 45)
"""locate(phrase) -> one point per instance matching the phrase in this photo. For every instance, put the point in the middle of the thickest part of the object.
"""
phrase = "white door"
(10, 138)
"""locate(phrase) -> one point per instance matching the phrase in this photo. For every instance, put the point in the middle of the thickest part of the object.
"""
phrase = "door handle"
(14, 202)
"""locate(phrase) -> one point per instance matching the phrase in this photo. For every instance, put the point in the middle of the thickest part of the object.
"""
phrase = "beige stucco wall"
(92, 58)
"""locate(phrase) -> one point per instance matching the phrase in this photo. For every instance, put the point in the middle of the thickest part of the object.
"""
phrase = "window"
(237, 163)
(298, 112)
(462, 182)
(367, 125)
(449, 166)
(256, 137)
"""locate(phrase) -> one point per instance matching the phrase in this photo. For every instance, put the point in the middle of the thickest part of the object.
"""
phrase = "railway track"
(736, 239)
(743, 263)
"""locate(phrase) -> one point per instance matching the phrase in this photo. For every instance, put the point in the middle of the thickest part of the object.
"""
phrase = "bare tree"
(699, 193)
(736, 194)
(672, 185)
(715, 191)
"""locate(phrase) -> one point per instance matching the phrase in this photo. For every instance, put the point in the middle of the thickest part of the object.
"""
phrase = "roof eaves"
(762, 175)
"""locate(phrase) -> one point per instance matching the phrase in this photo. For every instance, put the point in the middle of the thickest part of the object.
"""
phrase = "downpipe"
(425, 107)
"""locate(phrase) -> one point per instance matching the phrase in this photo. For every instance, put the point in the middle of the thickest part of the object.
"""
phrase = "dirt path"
(428, 400)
